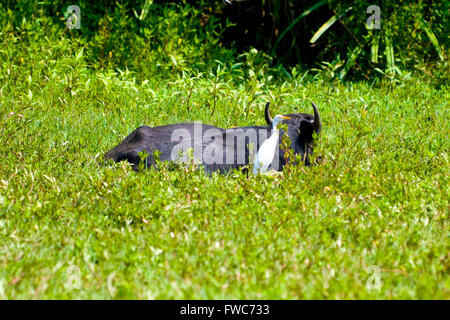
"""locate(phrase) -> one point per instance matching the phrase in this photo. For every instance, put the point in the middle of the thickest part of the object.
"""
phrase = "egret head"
(278, 119)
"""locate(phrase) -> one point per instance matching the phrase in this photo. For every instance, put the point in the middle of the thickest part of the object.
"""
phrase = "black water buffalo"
(215, 148)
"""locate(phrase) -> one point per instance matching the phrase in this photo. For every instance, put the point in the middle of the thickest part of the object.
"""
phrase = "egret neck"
(266, 152)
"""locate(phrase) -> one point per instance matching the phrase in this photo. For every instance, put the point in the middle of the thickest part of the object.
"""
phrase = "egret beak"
(285, 118)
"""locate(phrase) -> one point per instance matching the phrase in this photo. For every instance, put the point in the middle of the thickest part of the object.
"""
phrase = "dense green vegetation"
(370, 222)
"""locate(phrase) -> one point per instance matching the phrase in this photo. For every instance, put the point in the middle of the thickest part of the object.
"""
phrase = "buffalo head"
(300, 129)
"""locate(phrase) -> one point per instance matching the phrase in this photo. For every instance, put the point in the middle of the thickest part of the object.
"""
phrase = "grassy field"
(370, 222)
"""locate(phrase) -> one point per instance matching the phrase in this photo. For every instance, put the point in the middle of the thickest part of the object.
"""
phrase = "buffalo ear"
(306, 128)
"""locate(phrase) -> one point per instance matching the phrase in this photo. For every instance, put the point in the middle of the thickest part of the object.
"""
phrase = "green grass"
(370, 222)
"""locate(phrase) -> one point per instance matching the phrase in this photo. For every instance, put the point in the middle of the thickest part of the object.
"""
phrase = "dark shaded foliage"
(413, 35)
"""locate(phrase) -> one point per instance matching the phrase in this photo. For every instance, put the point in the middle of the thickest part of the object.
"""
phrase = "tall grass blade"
(374, 49)
(328, 24)
(433, 39)
(296, 20)
(144, 11)
(389, 53)
(350, 62)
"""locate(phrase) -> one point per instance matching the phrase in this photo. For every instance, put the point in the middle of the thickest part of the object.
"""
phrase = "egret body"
(266, 152)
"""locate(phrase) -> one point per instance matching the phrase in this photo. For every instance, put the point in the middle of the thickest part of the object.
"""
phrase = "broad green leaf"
(80, 54)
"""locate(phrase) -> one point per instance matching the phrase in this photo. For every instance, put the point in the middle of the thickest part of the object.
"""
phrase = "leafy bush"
(168, 38)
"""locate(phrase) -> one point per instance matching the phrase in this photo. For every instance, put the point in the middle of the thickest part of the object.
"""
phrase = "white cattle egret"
(266, 152)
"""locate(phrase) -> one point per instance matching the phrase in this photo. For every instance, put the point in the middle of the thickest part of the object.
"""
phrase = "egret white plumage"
(266, 152)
